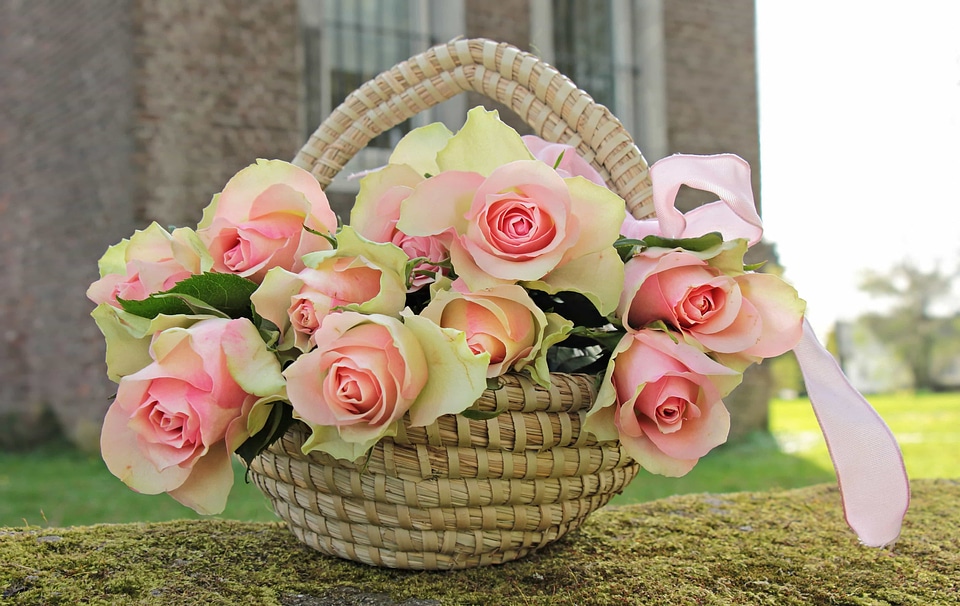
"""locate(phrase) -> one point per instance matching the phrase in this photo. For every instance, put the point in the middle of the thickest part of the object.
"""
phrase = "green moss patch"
(787, 547)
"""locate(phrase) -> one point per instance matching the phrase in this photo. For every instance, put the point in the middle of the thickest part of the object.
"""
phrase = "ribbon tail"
(873, 481)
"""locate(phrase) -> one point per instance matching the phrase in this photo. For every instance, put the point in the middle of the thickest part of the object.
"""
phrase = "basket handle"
(544, 98)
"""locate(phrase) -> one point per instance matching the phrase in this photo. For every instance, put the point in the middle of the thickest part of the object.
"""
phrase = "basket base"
(447, 537)
(458, 493)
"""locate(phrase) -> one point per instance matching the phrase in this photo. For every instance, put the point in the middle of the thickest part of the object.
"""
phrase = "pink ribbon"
(873, 482)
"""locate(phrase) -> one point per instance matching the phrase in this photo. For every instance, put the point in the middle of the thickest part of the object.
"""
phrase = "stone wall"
(218, 86)
(66, 184)
(116, 113)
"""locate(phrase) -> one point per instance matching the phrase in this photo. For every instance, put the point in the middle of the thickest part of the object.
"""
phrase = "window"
(347, 42)
(583, 46)
(613, 49)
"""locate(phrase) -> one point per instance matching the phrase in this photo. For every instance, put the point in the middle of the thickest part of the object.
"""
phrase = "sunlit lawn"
(926, 425)
(56, 487)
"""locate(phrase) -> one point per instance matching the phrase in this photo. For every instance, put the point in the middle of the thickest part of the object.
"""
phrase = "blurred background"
(115, 113)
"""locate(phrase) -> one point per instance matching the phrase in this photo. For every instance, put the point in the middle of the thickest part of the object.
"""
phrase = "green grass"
(926, 425)
(57, 487)
(60, 487)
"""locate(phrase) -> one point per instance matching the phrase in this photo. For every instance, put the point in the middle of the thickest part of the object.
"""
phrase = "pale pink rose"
(523, 222)
(257, 221)
(664, 399)
(313, 294)
(751, 314)
(358, 275)
(174, 423)
(430, 248)
(571, 165)
(502, 321)
(377, 211)
(369, 370)
(151, 261)
(343, 282)
(363, 376)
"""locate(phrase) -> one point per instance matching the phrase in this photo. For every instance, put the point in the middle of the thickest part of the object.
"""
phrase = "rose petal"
(456, 376)
(781, 313)
(207, 487)
(439, 204)
(482, 144)
(418, 149)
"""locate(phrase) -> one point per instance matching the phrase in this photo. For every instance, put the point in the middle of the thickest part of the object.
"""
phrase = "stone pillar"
(710, 90)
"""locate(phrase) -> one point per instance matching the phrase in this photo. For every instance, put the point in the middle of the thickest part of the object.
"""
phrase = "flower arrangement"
(467, 256)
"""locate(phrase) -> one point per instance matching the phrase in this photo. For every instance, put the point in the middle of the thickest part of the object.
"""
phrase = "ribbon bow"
(873, 481)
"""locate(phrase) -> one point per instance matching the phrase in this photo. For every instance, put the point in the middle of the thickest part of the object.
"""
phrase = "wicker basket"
(463, 493)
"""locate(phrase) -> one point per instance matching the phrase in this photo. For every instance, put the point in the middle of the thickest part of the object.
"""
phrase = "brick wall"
(115, 113)
(65, 187)
(217, 87)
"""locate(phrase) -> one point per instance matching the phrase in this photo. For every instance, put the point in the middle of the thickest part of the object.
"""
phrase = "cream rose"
(503, 322)
(257, 221)
(151, 261)
(510, 219)
(369, 370)
(175, 422)
(358, 275)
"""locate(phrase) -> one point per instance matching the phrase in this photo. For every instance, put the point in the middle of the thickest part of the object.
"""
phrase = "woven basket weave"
(463, 493)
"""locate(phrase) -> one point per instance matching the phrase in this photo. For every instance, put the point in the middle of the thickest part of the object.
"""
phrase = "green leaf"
(225, 295)
(705, 242)
(328, 237)
(559, 159)
(494, 383)
(626, 246)
(608, 339)
(754, 266)
(280, 419)
(481, 415)
(154, 306)
(662, 326)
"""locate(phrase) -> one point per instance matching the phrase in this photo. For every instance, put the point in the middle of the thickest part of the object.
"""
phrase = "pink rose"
(571, 165)
(369, 370)
(503, 322)
(430, 248)
(712, 300)
(523, 222)
(257, 221)
(375, 216)
(663, 399)
(174, 423)
(151, 261)
(358, 275)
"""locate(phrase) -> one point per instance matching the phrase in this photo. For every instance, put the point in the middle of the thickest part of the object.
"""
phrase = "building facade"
(115, 113)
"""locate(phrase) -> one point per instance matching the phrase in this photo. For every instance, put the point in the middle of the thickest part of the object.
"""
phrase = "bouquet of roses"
(468, 256)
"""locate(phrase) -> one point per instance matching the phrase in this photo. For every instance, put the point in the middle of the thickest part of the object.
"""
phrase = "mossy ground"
(787, 547)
